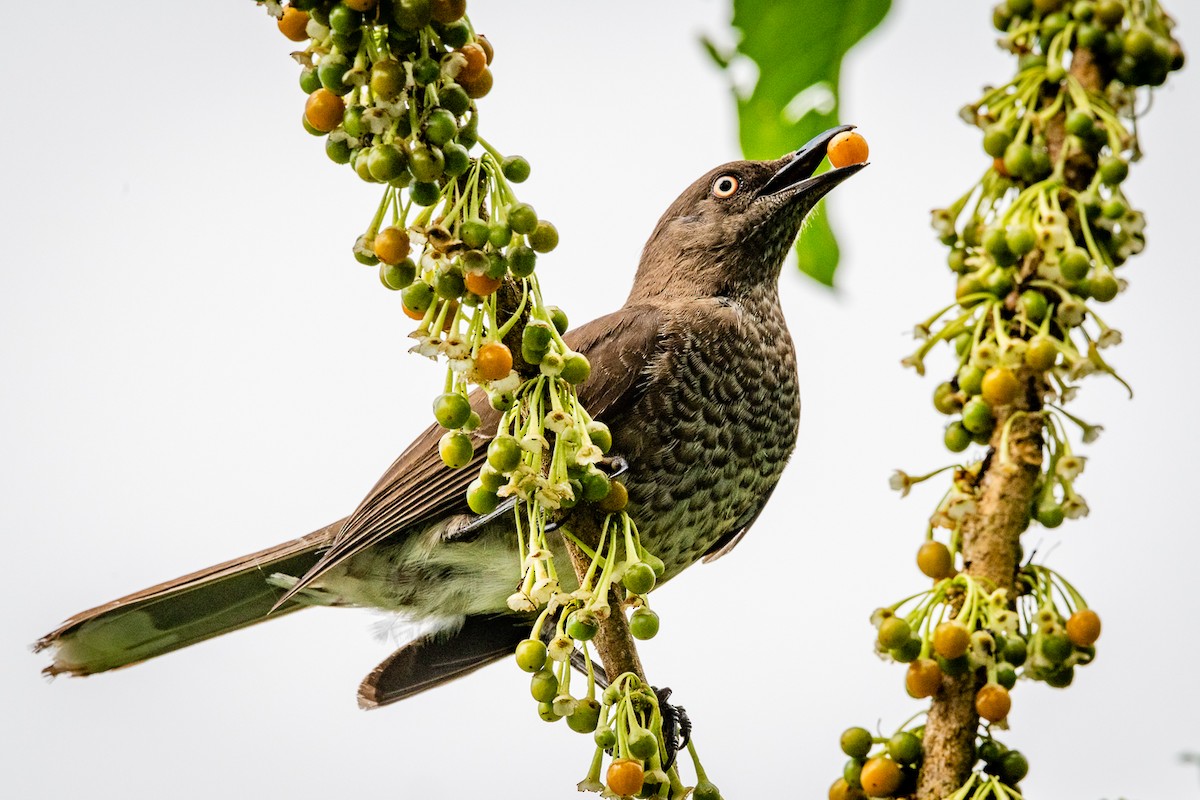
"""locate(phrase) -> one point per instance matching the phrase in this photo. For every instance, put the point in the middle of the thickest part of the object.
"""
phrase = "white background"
(194, 367)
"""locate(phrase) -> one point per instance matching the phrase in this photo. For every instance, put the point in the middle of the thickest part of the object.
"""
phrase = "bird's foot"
(676, 728)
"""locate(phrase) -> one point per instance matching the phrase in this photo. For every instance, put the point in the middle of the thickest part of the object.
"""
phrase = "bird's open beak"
(797, 174)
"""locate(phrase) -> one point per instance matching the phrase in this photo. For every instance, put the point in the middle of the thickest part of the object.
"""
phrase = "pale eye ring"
(725, 186)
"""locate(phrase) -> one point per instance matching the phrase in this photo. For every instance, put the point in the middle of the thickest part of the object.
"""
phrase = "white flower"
(1075, 507)
(985, 355)
(558, 420)
(456, 348)
(590, 784)
(273, 8)
(1070, 467)
(462, 365)
(519, 602)
(533, 442)
(376, 120)
(564, 705)
(552, 364)
(1091, 433)
(560, 648)
(589, 454)
(543, 590)
(1070, 313)
(428, 347)
(900, 482)
(1005, 622)
(315, 30)
(1110, 337)
(508, 383)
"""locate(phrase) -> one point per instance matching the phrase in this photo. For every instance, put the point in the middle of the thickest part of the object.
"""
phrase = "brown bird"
(696, 378)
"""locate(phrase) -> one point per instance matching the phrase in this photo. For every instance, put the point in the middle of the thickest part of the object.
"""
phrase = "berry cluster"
(959, 627)
(392, 86)
(1036, 245)
(627, 721)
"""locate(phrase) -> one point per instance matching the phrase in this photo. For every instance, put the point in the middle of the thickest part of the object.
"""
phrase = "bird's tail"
(190, 609)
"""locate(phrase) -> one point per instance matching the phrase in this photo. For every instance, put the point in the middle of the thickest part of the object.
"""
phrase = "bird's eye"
(725, 186)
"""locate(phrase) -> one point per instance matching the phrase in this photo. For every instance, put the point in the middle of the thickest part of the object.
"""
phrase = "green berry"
(639, 578)
(531, 655)
(1103, 287)
(521, 261)
(330, 70)
(1006, 675)
(398, 276)
(1113, 170)
(970, 379)
(706, 790)
(1080, 123)
(310, 81)
(893, 632)
(457, 160)
(499, 233)
(581, 627)
(996, 244)
(544, 237)
(450, 284)
(946, 400)
(604, 738)
(385, 162)
(454, 99)
(543, 686)
(1013, 767)
(1049, 514)
(1074, 264)
(856, 742)
(1114, 208)
(440, 127)
(600, 435)
(643, 624)
(343, 19)
(642, 744)
(904, 748)
(977, 416)
(957, 438)
(424, 193)
(1020, 239)
(576, 369)
(425, 71)
(1015, 651)
(522, 218)
(547, 713)
(852, 773)
(474, 232)
(418, 297)
(1056, 648)
(480, 499)
(338, 150)
(1034, 305)
(996, 139)
(586, 716)
(456, 449)
(426, 163)
(908, 652)
(516, 169)
(1018, 160)
(387, 78)
(504, 453)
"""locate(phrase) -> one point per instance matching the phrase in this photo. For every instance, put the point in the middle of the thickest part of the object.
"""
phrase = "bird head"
(728, 233)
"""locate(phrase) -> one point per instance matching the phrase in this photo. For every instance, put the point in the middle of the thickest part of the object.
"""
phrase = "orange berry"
(478, 87)
(934, 559)
(625, 777)
(413, 313)
(481, 285)
(992, 702)
(494, 361)
(391, 245)
(324, 110)
(880, 777)
(476, 63)
(1083, 627)
(446, 11)
(1000, 386)
(1001, 170)
(361, 5)
(483, 42)
(847, 148)
(840, 790)
(293, 23)
(951, 639)
(924, 678)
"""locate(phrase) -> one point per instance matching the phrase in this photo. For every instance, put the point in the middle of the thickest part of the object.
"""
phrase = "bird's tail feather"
(190, 609)
(439, 657)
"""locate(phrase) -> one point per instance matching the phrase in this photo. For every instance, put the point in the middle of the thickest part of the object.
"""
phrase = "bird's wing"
(726, 543)
(419, 488)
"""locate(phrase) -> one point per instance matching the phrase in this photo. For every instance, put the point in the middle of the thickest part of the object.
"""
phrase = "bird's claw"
(676, 727)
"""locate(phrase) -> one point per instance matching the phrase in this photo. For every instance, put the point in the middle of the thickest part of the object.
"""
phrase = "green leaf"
(798, 47)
